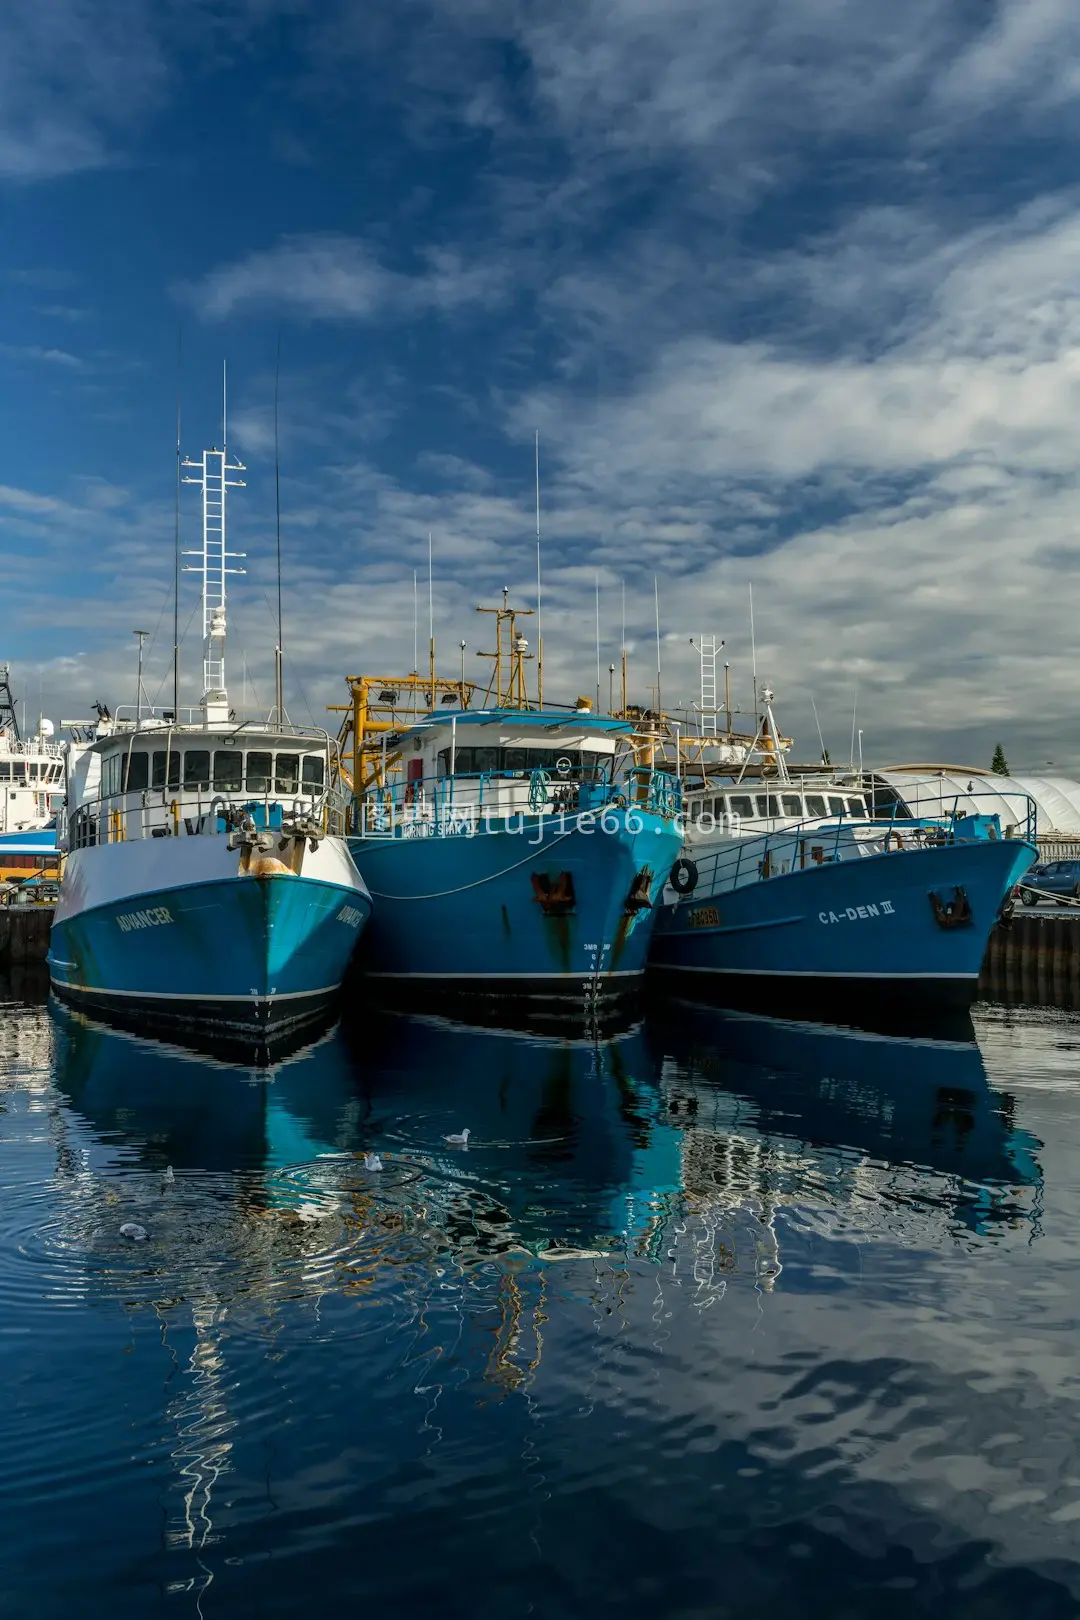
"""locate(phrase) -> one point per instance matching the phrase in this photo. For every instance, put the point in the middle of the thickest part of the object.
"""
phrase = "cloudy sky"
(790, 290)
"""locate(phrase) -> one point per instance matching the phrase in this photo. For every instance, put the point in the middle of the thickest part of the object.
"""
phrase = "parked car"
(1059, 878)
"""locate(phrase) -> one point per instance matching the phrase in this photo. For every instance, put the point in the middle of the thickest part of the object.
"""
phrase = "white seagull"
(458, 1138)
(372, 1161)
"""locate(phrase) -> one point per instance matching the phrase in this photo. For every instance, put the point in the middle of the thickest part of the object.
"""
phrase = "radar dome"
(47, 729)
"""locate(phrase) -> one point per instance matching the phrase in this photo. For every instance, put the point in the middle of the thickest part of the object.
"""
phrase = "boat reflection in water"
(715, 1149)
(905, 1130)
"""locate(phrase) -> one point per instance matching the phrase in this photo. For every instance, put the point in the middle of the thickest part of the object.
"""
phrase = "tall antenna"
(139, 693)
(539, 631)
(753, 645)
(656, 602)
(431, 625)
(820, 738)
(598, 642)
(176, 538)
(622, 582)
(854, 712)
(279, 694)
(212, 477)
(415, 628)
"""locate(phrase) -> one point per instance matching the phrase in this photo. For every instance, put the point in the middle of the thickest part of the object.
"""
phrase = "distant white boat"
(31, 788)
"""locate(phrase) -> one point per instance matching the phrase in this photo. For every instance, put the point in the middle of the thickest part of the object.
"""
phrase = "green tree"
(999, 764)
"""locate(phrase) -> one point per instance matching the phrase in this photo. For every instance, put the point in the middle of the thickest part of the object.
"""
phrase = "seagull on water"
(458, 1138)
(372, 1161)
(134, 1232)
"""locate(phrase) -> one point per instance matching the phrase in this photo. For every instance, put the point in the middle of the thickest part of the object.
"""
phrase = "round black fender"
(684, 875)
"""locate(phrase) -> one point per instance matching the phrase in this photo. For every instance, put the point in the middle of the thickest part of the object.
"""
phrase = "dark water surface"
(720, 1317)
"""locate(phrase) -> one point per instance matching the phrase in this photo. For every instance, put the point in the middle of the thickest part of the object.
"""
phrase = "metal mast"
(9, 720)
(212, 477)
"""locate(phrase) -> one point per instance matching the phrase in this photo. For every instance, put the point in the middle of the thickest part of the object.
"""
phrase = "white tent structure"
(930, 790)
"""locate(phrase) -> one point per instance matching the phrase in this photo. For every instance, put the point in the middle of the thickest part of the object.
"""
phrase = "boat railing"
(156, 813)
(467, 802)
(131, 719)
(751, 856)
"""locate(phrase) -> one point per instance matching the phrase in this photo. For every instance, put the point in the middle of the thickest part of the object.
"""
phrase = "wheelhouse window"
(5, 772)
(856, 807)
(836, 805)
(197, 769)
(259, 771)
(768, 804)
(313, 773)
(792, 805)
(111, 767)
(228, 770)
(815, 804)
(137, 773)
(571, 763)
(287, 774)
(741, 805)
(157, 772)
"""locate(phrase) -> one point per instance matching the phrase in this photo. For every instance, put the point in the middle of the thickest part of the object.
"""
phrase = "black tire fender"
(684, 875)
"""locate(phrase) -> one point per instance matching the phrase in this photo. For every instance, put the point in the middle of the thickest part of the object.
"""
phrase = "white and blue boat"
(31, 788)
(207, 880)
(791, 889)
(512, 852)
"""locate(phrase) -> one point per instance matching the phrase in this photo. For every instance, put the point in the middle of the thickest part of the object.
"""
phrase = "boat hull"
(169, 931)
(537, 916)
(847, 936)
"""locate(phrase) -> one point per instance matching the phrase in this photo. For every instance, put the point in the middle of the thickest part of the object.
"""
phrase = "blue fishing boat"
(207, 880)
(791, 886)
(511, 851)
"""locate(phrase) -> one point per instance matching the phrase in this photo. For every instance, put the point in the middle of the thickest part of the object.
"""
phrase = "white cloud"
(72, 74)
(35, 352)
(331, 277)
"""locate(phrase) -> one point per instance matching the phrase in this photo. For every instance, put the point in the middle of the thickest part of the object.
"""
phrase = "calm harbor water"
(721, 1316)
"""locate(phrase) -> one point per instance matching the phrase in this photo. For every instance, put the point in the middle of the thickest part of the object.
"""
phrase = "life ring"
(564, 765)
(684, 875)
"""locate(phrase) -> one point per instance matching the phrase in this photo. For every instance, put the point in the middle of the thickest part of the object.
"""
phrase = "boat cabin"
(474, 763)
(792, 802)
(155, 779)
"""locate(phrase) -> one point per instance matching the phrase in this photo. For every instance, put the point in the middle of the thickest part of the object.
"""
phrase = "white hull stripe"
(799, 973)
(483, 978)
(173, 995)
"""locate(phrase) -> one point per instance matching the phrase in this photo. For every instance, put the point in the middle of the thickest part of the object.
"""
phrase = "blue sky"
(790, 292)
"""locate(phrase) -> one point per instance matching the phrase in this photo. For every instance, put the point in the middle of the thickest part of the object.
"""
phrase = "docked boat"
(31, 785)
(511, 850)
(207, 880)
(790, 885)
